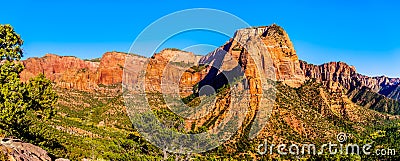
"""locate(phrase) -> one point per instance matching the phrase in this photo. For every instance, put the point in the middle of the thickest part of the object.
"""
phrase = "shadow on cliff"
(217, 78)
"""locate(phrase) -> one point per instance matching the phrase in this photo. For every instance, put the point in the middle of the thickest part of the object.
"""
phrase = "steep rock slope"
(111, 68)
(173, 68)
(276, 52)
(373, 92)
(73, 73)
(66, 71)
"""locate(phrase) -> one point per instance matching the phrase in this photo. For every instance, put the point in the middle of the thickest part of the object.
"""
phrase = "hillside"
(90, 125)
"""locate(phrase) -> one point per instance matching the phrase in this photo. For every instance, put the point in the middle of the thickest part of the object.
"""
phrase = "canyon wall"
(275, 53)
(65, 71)
(268, 46)
(348, 77)
(73, 73)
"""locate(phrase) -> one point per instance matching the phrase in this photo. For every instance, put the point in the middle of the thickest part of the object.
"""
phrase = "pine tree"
(18, 98)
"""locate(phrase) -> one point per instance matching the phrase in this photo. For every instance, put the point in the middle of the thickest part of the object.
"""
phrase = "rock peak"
(282, 53)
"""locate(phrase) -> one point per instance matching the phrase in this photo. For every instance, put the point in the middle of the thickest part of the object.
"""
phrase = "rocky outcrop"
(276, 52)
(283, 54)
(172, 70)
(269, 46)
(261, 55)
(17, 150)
(111, 68)
(348, 77)
(335, 71)
(66, 71)
(73, 73)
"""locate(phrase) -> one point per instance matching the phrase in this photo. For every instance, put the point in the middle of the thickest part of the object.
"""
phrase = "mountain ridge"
(73, 73)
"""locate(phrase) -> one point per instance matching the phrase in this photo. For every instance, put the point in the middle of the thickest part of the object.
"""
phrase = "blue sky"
(365, 34)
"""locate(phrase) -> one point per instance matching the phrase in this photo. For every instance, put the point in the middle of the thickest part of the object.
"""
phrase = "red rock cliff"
(71, 72)
(175, 68)
(347, 76)
(65, 71)
(111, 68)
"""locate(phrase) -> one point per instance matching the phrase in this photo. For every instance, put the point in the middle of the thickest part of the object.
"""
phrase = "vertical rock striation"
(73, 73)
(348, 77)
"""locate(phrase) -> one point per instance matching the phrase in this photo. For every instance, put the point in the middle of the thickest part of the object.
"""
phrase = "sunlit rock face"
(347, 76)
(65, 71)
(71, 72)
(276, 51)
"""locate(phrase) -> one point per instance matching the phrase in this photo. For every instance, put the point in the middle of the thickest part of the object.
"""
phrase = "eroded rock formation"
(348, 77)
(66, 71)
(276, 53)
(173, 71)
(71, 72)
(111, 68)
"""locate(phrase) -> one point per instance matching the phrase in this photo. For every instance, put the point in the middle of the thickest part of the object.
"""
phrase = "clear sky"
(364, 34)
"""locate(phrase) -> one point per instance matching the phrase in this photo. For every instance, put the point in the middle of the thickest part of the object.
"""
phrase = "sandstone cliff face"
(334, 71)
(111, 68)
(74, 73)
(71, 72)
(283, 54)
(171, 69)
(276, 53)
(259, 54)
(348, 77)
(66, 71)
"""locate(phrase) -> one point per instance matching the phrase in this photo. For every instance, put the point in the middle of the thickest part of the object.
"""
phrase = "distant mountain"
(383, 92)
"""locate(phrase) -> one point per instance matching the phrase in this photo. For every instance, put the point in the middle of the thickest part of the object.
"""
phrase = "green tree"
(41, 96)
(10, 44)
(18, 98)
(12, 97)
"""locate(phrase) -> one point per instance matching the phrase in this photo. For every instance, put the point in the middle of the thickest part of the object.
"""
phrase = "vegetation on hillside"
(375, 101)
(95, 125)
